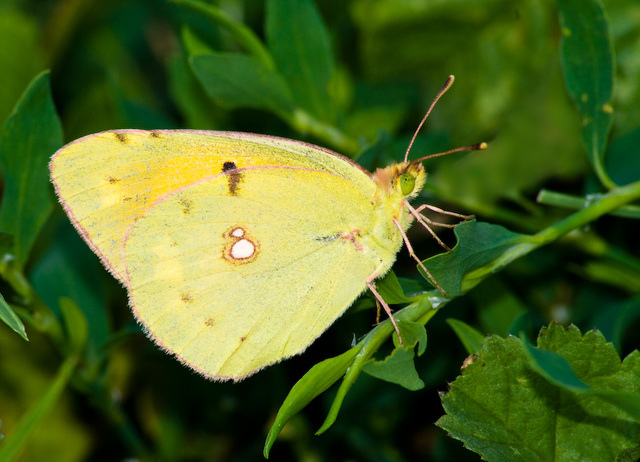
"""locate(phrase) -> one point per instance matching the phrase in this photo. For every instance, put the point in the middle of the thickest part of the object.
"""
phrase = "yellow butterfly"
(237, 250)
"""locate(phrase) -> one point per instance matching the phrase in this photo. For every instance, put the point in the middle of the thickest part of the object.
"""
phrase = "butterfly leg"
(443, 212)
(421, 220)
(380, 300)
(415, 257)
(446, 212)
(430, 221)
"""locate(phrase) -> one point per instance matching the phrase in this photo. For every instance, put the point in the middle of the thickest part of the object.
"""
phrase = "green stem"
(34, 416)
(598, 206)
(601, 173)
(577, 202)
(245, 36)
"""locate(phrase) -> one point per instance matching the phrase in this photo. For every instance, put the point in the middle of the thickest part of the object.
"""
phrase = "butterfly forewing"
(107, 180)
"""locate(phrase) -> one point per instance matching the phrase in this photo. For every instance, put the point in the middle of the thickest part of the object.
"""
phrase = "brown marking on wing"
(186, 205)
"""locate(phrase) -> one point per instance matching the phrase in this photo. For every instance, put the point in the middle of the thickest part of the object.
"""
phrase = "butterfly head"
(404, 179)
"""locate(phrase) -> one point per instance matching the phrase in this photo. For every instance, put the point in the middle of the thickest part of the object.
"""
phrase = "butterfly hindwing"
(243, 269)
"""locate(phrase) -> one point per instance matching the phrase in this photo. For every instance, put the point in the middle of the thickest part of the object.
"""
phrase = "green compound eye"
(407, 183)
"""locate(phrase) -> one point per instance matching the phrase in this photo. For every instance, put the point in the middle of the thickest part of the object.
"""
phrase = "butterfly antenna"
(442, 91)
(473, 147)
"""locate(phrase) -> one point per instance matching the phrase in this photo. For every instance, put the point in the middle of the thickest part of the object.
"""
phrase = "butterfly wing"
(241, 270)
(107, 180)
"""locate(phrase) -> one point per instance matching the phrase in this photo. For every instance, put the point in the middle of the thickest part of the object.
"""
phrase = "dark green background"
(124, 64)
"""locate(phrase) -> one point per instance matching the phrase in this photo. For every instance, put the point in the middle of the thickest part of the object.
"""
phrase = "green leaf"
(553, 367)
(30, 421)
(558, 371)
(31, 134)
(390, 290)
(299, 43)
(478, 244)
(11, 319)
(630, 455)
(587, 57)
(318, 379)
(235, 80)
(413, 333)
(503, 409)
(470, 337)
(399, 366)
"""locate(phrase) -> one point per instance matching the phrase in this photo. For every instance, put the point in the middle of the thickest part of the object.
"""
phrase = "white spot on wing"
(238, 232)
(242, 249)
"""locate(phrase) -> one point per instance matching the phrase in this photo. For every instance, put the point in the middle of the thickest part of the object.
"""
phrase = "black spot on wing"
(228, 166)
(122, 137)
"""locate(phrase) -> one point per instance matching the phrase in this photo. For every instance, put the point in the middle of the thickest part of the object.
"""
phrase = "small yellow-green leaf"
(11, 319)
(318, 379)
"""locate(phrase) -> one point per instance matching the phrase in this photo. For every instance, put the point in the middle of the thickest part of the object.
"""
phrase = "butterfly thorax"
(394, 185)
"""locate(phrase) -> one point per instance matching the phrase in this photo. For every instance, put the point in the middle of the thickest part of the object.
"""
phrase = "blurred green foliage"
(357, 79)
